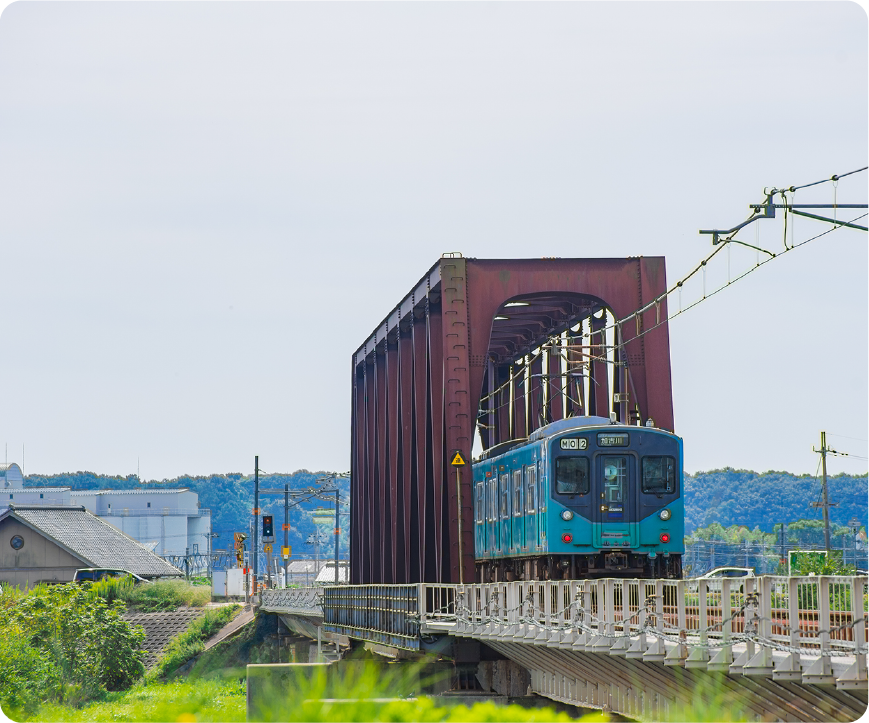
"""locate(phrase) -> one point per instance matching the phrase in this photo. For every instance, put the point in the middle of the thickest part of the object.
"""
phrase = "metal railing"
(300, 601)
(731, 625)
(387, 614)
(808, 619)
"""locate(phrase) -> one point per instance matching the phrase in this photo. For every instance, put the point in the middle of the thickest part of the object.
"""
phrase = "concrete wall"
(38, 560)
(104, 502)
(168, 531)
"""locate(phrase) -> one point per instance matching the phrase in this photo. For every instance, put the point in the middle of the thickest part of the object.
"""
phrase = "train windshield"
(571, 475)
(659, 475)
(615, 476)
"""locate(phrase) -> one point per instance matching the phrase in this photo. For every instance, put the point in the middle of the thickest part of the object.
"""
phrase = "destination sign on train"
(574, 443)
(612, 440)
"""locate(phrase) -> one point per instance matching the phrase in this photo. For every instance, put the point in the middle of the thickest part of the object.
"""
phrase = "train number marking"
(574, 443)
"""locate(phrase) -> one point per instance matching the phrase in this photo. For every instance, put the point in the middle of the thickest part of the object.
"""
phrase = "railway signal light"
(268, 526)
(239, 538)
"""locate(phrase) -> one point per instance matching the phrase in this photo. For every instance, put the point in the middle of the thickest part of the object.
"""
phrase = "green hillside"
(740, 497)
(727, 497)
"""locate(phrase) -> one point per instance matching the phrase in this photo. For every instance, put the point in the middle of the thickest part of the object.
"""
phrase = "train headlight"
(566, 515)
(664, 514)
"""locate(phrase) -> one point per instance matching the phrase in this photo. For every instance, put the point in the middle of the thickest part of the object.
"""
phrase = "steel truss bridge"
(781, 648)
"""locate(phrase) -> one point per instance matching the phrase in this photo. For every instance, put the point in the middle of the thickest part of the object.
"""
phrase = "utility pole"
(286, 533)
(826, 504)
(782, 557)
(337, 530)
(255, 546)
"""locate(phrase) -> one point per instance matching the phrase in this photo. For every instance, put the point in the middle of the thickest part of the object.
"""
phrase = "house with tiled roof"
(48, 543)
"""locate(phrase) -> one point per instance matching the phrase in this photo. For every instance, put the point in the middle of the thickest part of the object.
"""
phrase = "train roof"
(562, 425)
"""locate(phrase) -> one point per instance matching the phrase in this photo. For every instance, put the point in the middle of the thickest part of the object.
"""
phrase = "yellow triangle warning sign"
(458, 460)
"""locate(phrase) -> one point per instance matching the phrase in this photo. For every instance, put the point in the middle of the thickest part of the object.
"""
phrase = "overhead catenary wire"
(834, 177)
(620, 343)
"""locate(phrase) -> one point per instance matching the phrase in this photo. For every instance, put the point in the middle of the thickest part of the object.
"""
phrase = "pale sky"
(205, 208)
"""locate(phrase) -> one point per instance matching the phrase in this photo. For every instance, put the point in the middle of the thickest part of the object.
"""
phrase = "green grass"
(165, 595)
(177, 700)
(191, 642)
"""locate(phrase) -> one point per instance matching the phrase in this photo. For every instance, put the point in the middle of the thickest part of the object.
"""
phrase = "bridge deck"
(787, 631)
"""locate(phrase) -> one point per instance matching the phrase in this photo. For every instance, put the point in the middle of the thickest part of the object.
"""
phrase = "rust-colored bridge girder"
(528, 337)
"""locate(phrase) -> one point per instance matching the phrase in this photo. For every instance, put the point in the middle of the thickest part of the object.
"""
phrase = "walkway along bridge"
(781, 648)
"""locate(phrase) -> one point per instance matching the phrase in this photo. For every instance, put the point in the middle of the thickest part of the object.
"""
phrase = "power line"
(831, 179)
(856, 439)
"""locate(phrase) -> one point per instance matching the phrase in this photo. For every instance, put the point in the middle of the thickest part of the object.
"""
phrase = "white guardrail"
(732, 625)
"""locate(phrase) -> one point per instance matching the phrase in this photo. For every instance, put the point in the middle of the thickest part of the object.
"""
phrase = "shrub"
(60, 642)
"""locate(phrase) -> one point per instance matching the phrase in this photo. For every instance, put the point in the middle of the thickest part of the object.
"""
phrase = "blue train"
(580, 498)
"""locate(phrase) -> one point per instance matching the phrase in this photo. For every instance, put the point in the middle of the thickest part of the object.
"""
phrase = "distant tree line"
(766, 552)
(715, 501)
(741, 497)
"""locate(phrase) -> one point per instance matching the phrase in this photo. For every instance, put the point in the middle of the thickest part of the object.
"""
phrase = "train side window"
(505, 497)
(479, 507)
(517, 492)
(531, 494)
(493, 500)
(571, 475)
(659, 475)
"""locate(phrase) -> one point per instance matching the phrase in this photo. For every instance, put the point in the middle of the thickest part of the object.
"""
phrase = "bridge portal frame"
(418, 379)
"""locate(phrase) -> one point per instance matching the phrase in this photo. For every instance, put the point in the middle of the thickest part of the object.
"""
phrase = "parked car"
(93, 574)
(727, 571)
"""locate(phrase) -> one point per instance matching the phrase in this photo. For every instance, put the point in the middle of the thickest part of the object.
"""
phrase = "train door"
(479, 519)
(531, 506)
(541, 507)
(506, 522)
(492, 514)
(615, 492)
(496, 515)
(518, 518)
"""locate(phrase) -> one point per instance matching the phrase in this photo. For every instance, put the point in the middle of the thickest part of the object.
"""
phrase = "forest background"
(754, 502)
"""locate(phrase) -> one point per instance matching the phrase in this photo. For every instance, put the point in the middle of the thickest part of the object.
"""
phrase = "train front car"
(581, 498)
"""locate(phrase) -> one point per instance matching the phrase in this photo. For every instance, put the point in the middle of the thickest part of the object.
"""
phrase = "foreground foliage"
(223, 699)
(62, 643)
